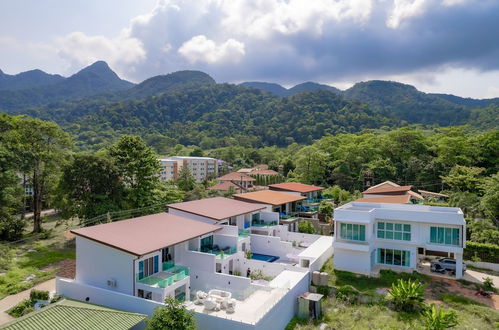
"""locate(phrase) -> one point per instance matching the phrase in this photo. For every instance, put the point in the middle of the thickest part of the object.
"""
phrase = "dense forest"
(96, 154)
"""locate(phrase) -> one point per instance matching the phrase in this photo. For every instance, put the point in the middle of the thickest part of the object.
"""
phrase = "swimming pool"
(264, 257)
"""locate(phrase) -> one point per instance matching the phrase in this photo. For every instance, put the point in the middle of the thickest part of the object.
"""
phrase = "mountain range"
(189, 107)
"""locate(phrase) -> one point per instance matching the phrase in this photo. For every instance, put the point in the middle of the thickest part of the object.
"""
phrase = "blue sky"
(448, 46)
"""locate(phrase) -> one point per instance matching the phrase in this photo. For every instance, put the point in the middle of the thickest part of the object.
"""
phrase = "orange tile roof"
(294, 186)
(224, 186)
(375, 190)
(235, 176)
(142, 235)
(217, 208)
(269, 197)
(399, 199)
(264, 172)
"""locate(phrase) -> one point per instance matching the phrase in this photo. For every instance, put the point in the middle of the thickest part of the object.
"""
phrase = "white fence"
(483, 265)
(82, 292)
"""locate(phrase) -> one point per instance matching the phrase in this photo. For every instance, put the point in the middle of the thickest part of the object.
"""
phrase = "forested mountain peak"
(171, 82)
(99, 76)
(281, 91)
(28, 79)
(272, 88)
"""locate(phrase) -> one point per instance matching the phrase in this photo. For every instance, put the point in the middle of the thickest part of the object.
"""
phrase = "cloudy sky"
(449, 46)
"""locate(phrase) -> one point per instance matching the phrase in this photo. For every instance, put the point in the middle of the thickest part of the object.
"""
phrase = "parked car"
(445, 264)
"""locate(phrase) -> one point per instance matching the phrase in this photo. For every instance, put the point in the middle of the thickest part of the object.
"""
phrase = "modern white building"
(373, 236)
(201, 252)
(200, 167)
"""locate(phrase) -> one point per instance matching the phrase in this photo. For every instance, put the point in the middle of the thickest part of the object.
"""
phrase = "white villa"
(373, 236)
(198, 253)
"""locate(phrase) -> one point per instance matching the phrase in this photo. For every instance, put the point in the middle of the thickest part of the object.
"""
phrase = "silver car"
(445, 264)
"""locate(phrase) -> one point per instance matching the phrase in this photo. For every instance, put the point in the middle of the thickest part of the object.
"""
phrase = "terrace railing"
(221, 253)
(173, 274)
(262, 223)
(243, 233)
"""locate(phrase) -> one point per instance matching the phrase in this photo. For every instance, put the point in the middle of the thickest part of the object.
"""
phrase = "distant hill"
(172, 82)
(468, 102)
(95, 79)
(407, 103)
(28, 79)
(279, 90)
(272, 88)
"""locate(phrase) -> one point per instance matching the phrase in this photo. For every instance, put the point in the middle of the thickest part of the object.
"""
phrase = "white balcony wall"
(96, 263)
(205, 281)
(224, 241)
(270, 245)
(268, 268)
(194, 259)
(228, 230)
(269, 216)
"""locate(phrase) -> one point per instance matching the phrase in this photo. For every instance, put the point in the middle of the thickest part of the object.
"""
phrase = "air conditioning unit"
(111, 282)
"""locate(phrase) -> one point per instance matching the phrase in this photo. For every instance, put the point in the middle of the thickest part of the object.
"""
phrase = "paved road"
(477, 277)
(12, 300)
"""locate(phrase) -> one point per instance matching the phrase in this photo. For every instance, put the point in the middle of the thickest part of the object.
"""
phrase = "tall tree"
(185, 181)
(90, 185)
(10, 227)
(139, 168)
(490, 199)
(40, 148)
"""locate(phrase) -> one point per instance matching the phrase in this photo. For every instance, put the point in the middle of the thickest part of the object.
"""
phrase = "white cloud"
(404, 9)
(202, 49)
(121, 52)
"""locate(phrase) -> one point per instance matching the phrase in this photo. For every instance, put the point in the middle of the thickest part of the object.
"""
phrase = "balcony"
(167, 277)
(262, 223)
(220, 253)
(243, 233)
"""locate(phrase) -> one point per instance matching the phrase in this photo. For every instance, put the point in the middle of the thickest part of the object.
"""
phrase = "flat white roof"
(366, 207)
(317, 248)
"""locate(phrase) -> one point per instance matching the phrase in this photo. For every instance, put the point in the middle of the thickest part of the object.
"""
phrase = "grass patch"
(17, 263)
(13, 281)
(45, 256)
(453, 299)
(366, 283)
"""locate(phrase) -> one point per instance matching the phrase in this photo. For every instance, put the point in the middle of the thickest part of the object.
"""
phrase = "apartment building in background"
(200, 167)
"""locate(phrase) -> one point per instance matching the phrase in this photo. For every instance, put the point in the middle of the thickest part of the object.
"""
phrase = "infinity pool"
(264, 257)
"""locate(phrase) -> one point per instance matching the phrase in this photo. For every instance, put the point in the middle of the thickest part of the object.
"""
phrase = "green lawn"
(29, 257)
(339, 314)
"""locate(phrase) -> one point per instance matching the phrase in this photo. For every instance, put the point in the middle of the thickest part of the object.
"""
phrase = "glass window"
(353, 232)
(396, 231)
(394, 257)
(444, 235)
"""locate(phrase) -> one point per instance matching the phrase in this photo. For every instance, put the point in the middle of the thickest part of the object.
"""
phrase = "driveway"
(12, 300)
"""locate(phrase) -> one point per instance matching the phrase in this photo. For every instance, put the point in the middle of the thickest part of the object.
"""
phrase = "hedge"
(485, 252)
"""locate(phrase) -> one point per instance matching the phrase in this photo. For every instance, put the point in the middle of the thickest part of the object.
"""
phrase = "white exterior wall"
(96, 263)
(270, 245)
(357, 256)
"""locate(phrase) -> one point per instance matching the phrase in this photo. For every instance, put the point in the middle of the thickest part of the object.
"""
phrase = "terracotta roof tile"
(380, 190)
(399, 199)
(224, 186)
(269, 197)
(143, 235)
(235, 176)
(294, 186)
(217, 208)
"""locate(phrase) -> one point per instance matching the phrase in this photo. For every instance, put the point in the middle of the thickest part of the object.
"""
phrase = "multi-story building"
(203, 253)
(373, 236)
(201, 168)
